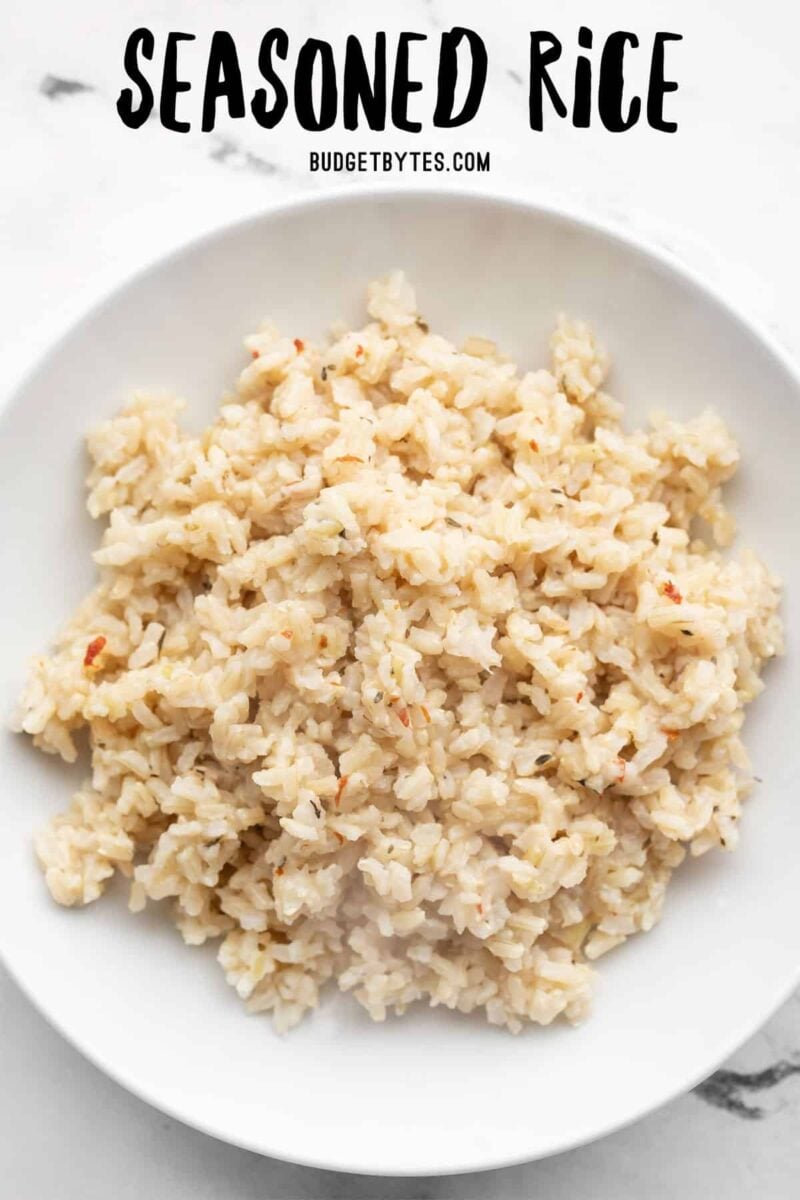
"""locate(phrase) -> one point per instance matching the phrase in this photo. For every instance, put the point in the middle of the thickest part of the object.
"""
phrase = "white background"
(84, 201)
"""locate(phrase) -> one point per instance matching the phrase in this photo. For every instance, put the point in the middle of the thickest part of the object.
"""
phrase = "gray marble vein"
(727, 1089)
(56, 88)
(431, 13)
(227, 151)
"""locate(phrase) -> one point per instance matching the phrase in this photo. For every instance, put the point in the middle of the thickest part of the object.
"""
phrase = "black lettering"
(310, 51)
(659, 85)
(612, 84)
(223, 78)
(171, 85)
(403, 86)
(140, 40)
(358, 88)
(582, 101)
(268, 118)
(443, 117)
(540, 61)
(313, 160)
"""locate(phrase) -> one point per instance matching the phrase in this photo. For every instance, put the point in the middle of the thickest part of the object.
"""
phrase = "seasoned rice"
(409, 672)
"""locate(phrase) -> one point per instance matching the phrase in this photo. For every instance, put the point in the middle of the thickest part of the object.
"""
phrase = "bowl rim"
(62, 328)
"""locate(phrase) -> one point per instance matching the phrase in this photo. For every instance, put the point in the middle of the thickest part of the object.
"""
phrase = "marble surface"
(85, 201)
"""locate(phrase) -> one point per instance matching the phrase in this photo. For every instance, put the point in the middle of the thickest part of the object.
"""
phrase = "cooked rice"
(415, 675)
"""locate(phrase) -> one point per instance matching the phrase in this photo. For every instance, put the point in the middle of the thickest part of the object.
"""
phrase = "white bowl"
(431, 1092)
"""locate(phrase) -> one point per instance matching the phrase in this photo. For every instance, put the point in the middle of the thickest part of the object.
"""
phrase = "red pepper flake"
(671, 733)
(672, 593)
(359, 351)
(256, 353)
(92, 651)
(480, 908)
(342, 785)
(349, 458)
(323, 641)
(622, 768)
(279, 870)
(425, 713)
(338, 837)
(534, 445)
(288, 634)
(299, 345)
(404, 717)
(579, 697)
